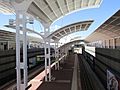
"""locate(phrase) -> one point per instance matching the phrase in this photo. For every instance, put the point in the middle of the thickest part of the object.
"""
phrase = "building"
(7, 41)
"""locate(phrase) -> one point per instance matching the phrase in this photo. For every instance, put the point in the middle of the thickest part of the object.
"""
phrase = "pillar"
(21, 65)
(56, 56)
(25, 72)
(113, 43)
(18, 73)
(47, 54)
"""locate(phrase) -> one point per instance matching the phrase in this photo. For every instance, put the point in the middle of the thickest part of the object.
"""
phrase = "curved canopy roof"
(50, 10)
(75, 27)
(64, 31)
(109, 29)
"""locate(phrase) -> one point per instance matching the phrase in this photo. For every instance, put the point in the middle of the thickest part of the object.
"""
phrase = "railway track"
(11, 85)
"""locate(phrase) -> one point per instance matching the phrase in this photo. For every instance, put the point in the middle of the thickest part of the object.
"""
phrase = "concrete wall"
(105, 59)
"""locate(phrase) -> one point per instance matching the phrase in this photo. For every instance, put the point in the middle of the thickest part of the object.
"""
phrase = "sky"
(99, 15)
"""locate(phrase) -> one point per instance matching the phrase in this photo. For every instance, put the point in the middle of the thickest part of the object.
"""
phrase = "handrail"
(58, 60)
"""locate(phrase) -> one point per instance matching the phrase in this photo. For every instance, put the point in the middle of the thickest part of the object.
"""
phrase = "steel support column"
(45, 47)
(113, 43)
(25, 51)
(21, 65)
(18, 72)
(20, 10)
(47, 55)
(108, 43)
(56, 55)
(49, 60)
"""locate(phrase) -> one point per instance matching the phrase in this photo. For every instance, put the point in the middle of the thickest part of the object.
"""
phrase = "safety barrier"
(89, 80)
(104, 62)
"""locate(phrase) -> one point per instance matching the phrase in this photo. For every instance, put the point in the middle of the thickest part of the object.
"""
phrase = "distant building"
(7, 41)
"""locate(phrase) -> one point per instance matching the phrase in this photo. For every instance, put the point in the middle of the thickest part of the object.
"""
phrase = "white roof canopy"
(47, 11)
(75, 27)
(64, 31)
(109, 29)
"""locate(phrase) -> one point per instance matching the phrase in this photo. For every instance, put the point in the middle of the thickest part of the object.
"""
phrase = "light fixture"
(31, 21)
(11, 21)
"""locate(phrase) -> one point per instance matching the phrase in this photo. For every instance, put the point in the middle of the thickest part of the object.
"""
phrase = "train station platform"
(66, 78)
(78, 71)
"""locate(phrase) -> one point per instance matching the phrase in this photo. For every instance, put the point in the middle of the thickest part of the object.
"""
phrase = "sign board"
(113, 83)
